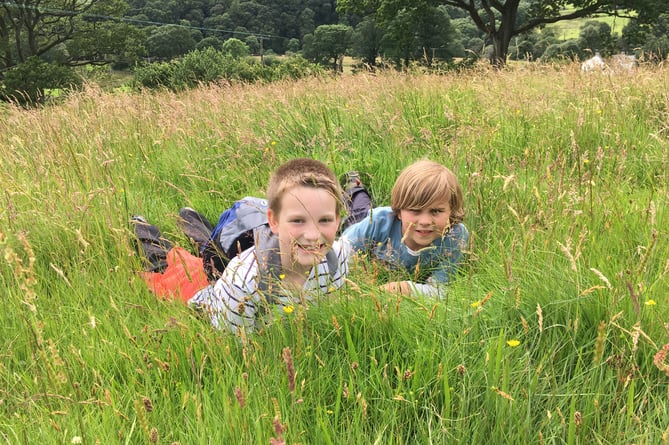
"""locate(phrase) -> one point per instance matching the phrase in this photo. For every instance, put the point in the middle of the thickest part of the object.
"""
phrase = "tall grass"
(549, 336)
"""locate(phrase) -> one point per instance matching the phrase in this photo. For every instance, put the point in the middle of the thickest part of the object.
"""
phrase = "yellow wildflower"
(288, 309)
(650, 303)
(475, 304)
(513, 343)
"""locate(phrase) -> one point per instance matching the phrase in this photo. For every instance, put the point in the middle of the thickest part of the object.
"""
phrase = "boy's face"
(421, 227)
(306, 227)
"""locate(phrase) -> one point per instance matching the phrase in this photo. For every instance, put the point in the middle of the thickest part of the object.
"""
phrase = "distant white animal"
(594, 63)
(623, 62)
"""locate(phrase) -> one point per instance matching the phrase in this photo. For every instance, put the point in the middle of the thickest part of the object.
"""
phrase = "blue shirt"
(380, 233)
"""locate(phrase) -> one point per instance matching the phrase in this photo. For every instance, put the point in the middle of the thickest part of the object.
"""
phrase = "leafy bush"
(560, 51)
(235, 48)
(296, 67)
(154, 75)
(27, 82)
(209, 42)
(209, 66)
(198, 67)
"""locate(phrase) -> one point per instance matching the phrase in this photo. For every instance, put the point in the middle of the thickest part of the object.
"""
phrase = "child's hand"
(397, 287)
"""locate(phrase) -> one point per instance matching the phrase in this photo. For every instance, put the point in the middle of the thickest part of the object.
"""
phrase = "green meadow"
(556, 332)
(570, 29)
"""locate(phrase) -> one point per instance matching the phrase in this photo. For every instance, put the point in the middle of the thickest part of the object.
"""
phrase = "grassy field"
(570, 29)
(555, 333)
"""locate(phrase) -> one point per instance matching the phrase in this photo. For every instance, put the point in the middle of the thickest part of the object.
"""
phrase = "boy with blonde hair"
(421, 232)
(295, 262)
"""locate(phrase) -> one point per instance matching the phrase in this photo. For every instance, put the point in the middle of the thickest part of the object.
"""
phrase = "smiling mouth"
(310, 249)
(423, 232)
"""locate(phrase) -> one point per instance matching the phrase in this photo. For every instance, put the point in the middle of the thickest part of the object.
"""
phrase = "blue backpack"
(237, 229)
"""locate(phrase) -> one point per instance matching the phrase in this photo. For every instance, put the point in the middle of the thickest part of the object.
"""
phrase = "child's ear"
(273, 220)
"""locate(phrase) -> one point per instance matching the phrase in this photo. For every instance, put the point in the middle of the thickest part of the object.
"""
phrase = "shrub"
(154, 75)
(567, 50)
(27, 82)
(235, 48)
(198, 67)
(210, 65)
(209, 42)
(295, 68)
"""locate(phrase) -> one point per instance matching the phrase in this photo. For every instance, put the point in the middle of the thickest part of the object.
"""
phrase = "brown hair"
(302, 172)
(425, 183)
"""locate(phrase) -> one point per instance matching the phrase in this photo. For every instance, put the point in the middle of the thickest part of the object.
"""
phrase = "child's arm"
(230, 301)
(238, 310)
(436, 290)
(358, 235)
(376, 227)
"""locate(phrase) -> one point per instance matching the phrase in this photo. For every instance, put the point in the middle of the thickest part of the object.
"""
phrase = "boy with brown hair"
(295, 262)
(421, 232)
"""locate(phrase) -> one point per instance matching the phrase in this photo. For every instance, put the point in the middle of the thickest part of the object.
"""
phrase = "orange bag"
(183, 277)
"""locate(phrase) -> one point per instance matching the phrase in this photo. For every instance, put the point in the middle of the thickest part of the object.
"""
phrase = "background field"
(554, 333)
(570, 29)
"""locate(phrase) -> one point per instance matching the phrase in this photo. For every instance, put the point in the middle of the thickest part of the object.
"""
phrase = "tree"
(210, 42)
(27, 82)
(235, 48)
(328, 44)
(649, 41)
(656, 47)
(500, 21)
(366, 41)
(253, 44)
(37, 27)
(170, 41)
(595, 36)
(436, 36)
(99, 39)
(293, 45)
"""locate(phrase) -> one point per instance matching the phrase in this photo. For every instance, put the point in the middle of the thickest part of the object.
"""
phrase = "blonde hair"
(425, 183)
(302, 172)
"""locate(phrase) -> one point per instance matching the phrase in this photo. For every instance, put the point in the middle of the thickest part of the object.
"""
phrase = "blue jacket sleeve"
(359, 235)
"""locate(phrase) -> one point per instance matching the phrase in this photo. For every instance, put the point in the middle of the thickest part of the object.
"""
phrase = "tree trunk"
(501, 37)
(499, 51)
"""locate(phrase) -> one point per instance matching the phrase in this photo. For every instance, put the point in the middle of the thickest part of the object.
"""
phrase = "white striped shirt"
(237, 302)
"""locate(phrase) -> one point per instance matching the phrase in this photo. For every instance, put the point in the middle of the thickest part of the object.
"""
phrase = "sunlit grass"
(549, 336)
(570, 29)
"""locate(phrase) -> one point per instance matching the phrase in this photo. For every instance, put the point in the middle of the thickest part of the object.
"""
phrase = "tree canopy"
(47, 35)
(71, 28)
(500, 21)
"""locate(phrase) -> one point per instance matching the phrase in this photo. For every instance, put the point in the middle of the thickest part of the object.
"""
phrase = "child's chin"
(422, 243)
(309, 258)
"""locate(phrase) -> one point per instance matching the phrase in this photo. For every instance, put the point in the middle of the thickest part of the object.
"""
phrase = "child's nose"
(311, 232)
(424, 218)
